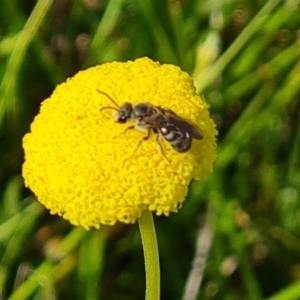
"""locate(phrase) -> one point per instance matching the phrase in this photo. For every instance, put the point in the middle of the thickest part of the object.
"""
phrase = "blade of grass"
(253, 119)
(211, 73)
(165, 50)
(181, 41)
(291, 292)
(47, 269)
(91, 264)
(105, 28)
(252, 80)
(18, 237)
(8, 227)
(8, 93)
(237, 241)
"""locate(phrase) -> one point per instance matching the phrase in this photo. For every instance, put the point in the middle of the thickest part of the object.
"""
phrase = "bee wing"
(182, 124)
(186, 126)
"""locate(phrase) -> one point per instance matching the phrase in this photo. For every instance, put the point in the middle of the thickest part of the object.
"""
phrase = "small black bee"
(177, 131)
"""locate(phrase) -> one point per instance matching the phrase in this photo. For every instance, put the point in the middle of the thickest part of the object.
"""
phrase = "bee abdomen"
(179, 140)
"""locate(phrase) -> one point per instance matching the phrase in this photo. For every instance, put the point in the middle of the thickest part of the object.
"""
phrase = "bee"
(177, 131)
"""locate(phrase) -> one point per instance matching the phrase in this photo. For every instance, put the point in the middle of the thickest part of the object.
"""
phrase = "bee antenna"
(109, 107)
(110, 98)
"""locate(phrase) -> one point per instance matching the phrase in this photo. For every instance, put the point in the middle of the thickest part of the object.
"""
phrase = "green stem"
(149, 241)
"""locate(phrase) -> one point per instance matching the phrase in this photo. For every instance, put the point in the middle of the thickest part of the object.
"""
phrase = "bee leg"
(121, 134)
(145, 138)
(159, 147)
(128, 128)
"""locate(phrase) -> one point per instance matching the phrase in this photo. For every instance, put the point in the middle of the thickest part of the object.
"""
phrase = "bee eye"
(122, 119)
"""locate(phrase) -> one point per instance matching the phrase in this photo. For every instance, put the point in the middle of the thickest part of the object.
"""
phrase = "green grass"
(244, 57)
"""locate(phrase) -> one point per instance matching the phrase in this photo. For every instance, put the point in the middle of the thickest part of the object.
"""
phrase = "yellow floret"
(85, 167)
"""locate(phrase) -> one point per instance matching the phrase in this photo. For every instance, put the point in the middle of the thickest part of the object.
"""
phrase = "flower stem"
(149, 241)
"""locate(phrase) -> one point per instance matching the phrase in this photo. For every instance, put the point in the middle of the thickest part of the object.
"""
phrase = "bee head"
(124, 113)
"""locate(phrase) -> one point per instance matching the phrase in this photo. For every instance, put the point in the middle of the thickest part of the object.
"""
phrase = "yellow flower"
(87, 168)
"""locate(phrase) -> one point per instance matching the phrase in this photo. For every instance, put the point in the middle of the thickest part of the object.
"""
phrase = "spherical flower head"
(91, 170)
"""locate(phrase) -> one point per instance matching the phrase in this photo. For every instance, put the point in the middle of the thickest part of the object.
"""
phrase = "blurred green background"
(244, 57)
